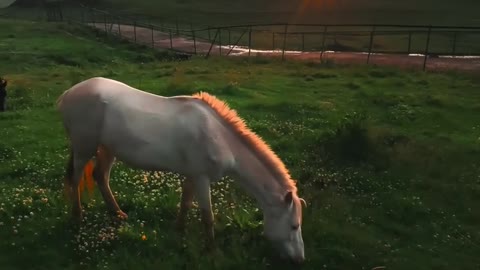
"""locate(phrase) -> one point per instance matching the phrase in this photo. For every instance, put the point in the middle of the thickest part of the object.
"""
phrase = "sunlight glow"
(309, 6)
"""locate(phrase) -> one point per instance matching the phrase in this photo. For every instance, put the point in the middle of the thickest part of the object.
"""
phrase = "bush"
(350, 140)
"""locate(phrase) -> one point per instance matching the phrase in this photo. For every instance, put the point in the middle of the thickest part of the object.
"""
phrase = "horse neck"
(256, 177)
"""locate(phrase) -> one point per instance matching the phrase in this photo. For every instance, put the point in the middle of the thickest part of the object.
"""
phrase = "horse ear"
(289, 198)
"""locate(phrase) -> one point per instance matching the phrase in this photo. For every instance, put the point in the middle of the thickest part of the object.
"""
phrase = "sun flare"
(309, 6)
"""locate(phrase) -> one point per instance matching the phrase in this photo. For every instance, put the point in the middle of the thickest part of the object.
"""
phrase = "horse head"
(283, 227)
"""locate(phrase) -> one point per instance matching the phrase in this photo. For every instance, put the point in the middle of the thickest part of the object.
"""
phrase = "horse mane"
(257, 144)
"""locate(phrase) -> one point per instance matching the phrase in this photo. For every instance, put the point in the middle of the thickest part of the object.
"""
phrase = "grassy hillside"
(388, 161)
(444, 12)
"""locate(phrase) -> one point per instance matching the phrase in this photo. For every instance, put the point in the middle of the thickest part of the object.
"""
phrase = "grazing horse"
(196, 136)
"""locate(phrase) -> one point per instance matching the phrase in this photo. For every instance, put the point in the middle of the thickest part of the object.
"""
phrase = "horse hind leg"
(76, 172)
(101, 174)
(67, 184)
(185, 204)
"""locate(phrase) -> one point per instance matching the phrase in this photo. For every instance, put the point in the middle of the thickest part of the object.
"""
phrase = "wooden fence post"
(220, 41)
(176, 25)
(427, 47)
(273, 41)
(454, 45)
(105, 23)
(238, 40)
(284, 42)
(372, 33)
(409, 42)
(211, 45)
(249, 41)
(153, 40)
(324, 38)
(119, 31)
(229, 37)
(303, 42)
(135, 30)
(194, 42)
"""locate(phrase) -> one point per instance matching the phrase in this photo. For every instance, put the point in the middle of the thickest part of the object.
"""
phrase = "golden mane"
(261, 149)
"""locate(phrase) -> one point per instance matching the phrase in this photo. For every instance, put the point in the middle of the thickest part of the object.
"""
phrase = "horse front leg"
(202, 193)
(185, 204)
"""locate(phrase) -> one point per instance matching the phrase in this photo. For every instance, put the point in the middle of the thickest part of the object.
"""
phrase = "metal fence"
(281, 39)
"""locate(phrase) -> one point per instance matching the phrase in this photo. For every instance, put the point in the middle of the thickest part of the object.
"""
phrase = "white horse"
(197, 136)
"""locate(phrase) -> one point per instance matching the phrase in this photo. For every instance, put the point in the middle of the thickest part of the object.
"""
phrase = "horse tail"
(87, 180)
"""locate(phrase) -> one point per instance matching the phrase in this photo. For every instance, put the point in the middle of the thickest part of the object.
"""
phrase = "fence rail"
(281, 38)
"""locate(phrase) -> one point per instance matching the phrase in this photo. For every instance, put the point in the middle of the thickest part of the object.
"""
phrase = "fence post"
(454, 46)
(176, 25)
(171, 39)
(409, 41)
(371, 44)
(284, 42)
(220, 41)
(211, 45)
(119, 31)
(273, 41)
(105, 23)
(250, 41)
(229, 37)
(324, 37)
(426, 48)
(194, 42)
(238, 40)
(153, 40)
(135, 30)
(303, 42)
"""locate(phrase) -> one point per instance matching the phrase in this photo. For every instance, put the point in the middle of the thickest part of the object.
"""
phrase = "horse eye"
(295, 227)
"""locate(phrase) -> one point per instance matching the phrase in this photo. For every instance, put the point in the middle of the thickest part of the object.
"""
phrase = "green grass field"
(388, 161)
(220, 12)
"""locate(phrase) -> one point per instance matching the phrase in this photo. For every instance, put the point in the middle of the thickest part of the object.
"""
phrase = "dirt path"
(162, 40)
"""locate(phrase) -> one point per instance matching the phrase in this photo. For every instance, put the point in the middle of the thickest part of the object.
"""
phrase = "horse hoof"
(121, 215)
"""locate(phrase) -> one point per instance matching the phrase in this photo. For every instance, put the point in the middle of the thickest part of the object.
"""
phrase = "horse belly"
(149, 143)
(151, 158)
